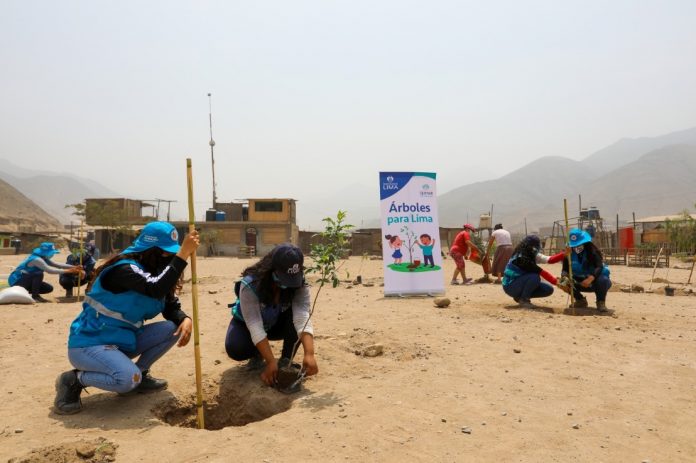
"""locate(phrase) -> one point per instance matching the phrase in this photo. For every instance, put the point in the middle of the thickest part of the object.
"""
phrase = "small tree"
(682, 232)
(331, 248)
(411, 239)
(110, 215)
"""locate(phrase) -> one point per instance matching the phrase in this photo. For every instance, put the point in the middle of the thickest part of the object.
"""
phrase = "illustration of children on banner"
(395, 243)
(414, 264)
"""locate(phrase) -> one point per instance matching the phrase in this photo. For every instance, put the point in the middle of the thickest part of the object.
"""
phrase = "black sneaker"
(580, 303)
(255, 363)
(38, 298)
(148, 383)
(68, 389)
(69, 293)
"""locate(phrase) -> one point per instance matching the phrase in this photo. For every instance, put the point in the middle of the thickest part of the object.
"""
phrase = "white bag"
(15, 295)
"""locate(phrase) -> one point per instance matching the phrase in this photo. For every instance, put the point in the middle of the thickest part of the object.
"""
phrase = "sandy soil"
(480, 380)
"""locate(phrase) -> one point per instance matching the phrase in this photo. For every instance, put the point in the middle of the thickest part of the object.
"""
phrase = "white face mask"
(579, 249)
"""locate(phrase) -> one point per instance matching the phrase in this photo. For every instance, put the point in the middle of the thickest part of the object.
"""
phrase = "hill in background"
(19, 212)
(53, 191)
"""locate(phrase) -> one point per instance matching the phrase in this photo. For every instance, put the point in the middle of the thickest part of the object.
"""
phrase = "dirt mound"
(96, 451)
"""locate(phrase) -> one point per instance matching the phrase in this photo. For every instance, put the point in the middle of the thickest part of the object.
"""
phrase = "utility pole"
(212, 144)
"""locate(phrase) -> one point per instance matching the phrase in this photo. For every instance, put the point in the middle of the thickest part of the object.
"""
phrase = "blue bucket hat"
(45, 250)
(579, 237)
(161, 235)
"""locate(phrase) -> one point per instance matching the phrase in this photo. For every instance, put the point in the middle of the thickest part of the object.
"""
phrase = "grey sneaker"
(68, 389)
(525, 304)
(602, 307)
(580, 303)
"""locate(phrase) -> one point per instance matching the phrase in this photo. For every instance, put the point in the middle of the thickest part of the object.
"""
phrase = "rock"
(374, 350)
(517, 351)
(569, 413)
(504, 414)
(19, 431)
(368, 285)
(85, 450)
(444, 420)
(212, 291)
(637, 289)
(576, 426)
(356, 282)
(50, 320)
(466, 430)
(217, 362)
(441, 302)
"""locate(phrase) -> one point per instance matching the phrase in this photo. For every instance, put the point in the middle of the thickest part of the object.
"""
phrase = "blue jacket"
(112, 319)
(23, 268)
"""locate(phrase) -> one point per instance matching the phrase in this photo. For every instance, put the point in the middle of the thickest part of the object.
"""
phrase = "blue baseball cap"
(45, 250)
(579, 237)
(287, 265)
(161, 235)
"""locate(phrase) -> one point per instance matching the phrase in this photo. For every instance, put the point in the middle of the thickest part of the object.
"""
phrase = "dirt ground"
(480, 380)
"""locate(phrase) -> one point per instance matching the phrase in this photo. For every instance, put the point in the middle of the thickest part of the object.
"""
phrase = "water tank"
(210, 215)
(485, 221)
(220, 216)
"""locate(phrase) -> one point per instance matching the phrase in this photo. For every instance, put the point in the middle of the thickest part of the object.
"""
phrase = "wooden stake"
(570, 258)
(659, 254)
(82, 248)
(194, 297)
(693, 262)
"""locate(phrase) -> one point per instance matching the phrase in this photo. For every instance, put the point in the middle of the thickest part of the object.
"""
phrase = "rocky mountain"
(17, 212)
(53, 191)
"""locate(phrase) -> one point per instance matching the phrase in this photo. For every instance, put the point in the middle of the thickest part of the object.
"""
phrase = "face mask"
(579, 249)
(277, 282)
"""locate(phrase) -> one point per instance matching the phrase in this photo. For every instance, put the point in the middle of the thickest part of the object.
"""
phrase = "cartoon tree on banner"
(411, 239)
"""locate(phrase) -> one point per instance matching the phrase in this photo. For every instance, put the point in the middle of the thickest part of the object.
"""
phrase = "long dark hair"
(263, 284)
(591, 248)
(528, 247)
(151, 259)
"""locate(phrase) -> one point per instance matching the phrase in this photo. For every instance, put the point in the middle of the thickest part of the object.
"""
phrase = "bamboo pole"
(194, 297)
(693, 262)
(570, 259)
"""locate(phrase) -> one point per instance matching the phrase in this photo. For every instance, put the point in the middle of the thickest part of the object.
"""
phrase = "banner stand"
(411, 248)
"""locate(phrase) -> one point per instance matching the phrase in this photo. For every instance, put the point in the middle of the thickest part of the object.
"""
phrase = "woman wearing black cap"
(273, 303)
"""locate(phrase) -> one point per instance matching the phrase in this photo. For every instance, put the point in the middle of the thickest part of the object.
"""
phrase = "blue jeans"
(239, 345)
(527, 286)
(109, 368)
(600, 287)
(33, 282)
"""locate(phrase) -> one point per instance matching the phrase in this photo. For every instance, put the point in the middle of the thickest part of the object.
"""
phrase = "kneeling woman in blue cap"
(273, 303)
(132, 287)
(29, 274)
(589, 272)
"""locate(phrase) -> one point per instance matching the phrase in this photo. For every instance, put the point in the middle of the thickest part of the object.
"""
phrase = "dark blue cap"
(287, 265)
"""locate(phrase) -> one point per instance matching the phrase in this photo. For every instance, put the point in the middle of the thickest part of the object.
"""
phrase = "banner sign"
(410, 234)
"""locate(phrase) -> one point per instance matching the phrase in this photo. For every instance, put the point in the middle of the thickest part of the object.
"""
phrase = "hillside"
(628, 150)
(53, 191)
(538, 186)
(662, 181)
(19, 212)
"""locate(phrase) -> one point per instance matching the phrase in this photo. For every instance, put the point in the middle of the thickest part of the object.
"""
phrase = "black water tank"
(210, 215)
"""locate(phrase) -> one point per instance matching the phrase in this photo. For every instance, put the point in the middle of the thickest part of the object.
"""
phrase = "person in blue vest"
(29, 274)
(273, 303)
(69, 280)
(522, 276)
(589, 272)
(134, 286)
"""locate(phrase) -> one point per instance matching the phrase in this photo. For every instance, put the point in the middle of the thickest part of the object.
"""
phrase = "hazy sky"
(310, 97)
